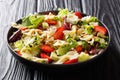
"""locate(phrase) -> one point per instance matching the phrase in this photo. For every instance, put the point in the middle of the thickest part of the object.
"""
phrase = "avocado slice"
(83, 57)
(54, 56)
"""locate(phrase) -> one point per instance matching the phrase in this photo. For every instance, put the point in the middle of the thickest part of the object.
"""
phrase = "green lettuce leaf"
(88, 29)
(63, 12)
(72, 42)
(32, 21)
(19, 44)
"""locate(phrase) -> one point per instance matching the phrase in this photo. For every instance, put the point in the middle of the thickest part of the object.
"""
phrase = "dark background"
(108, 11)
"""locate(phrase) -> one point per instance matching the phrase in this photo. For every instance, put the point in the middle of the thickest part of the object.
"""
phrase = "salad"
(65, 38)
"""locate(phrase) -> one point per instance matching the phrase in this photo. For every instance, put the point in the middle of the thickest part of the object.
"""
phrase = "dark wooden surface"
(107, 11)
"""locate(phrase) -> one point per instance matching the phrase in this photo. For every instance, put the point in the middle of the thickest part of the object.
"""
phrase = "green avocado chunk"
(83, 57)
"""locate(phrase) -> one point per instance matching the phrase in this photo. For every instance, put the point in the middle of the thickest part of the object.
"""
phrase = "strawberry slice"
(43, 55)
(78, 49)
(47, 48)
(51, 22)
(18, 52)
(59, 33)
(100, 29)
(23, 28)
(71, 61)
(78, 14)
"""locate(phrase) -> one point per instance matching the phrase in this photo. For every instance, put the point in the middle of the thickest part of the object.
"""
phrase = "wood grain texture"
(55, 4)
(10, 11)
(106, 10)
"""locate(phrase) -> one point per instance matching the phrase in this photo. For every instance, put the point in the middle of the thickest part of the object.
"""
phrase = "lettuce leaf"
(26, 21)
(19, 44)
(29, 44)
(93, 19)
(63, 50)
(72, 42)
(63, 12)
(87, 20)
(32, 21)
(88, 29)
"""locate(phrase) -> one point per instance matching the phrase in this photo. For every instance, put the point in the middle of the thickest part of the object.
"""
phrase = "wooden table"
(107, 11)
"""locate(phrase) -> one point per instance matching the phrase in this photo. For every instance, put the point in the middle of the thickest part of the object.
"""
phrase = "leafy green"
(38, 40)
(29, 44)
(82, 22)
(63, 50)
(106, 38)
(86, 22)
(26, 21)
(93, 19)
(101, 35)
(32, 21)
(88, 29)
(97, 39)
(36, 20)
(84, 44)
(56, 18)
(63, 12)
(32, 48)
(77, 38)
(72, 42)
(102, 45)
(19, 44)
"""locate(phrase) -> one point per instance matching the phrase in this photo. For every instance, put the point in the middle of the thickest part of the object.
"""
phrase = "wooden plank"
(55, 4)
(108, 12)
(10, 11)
